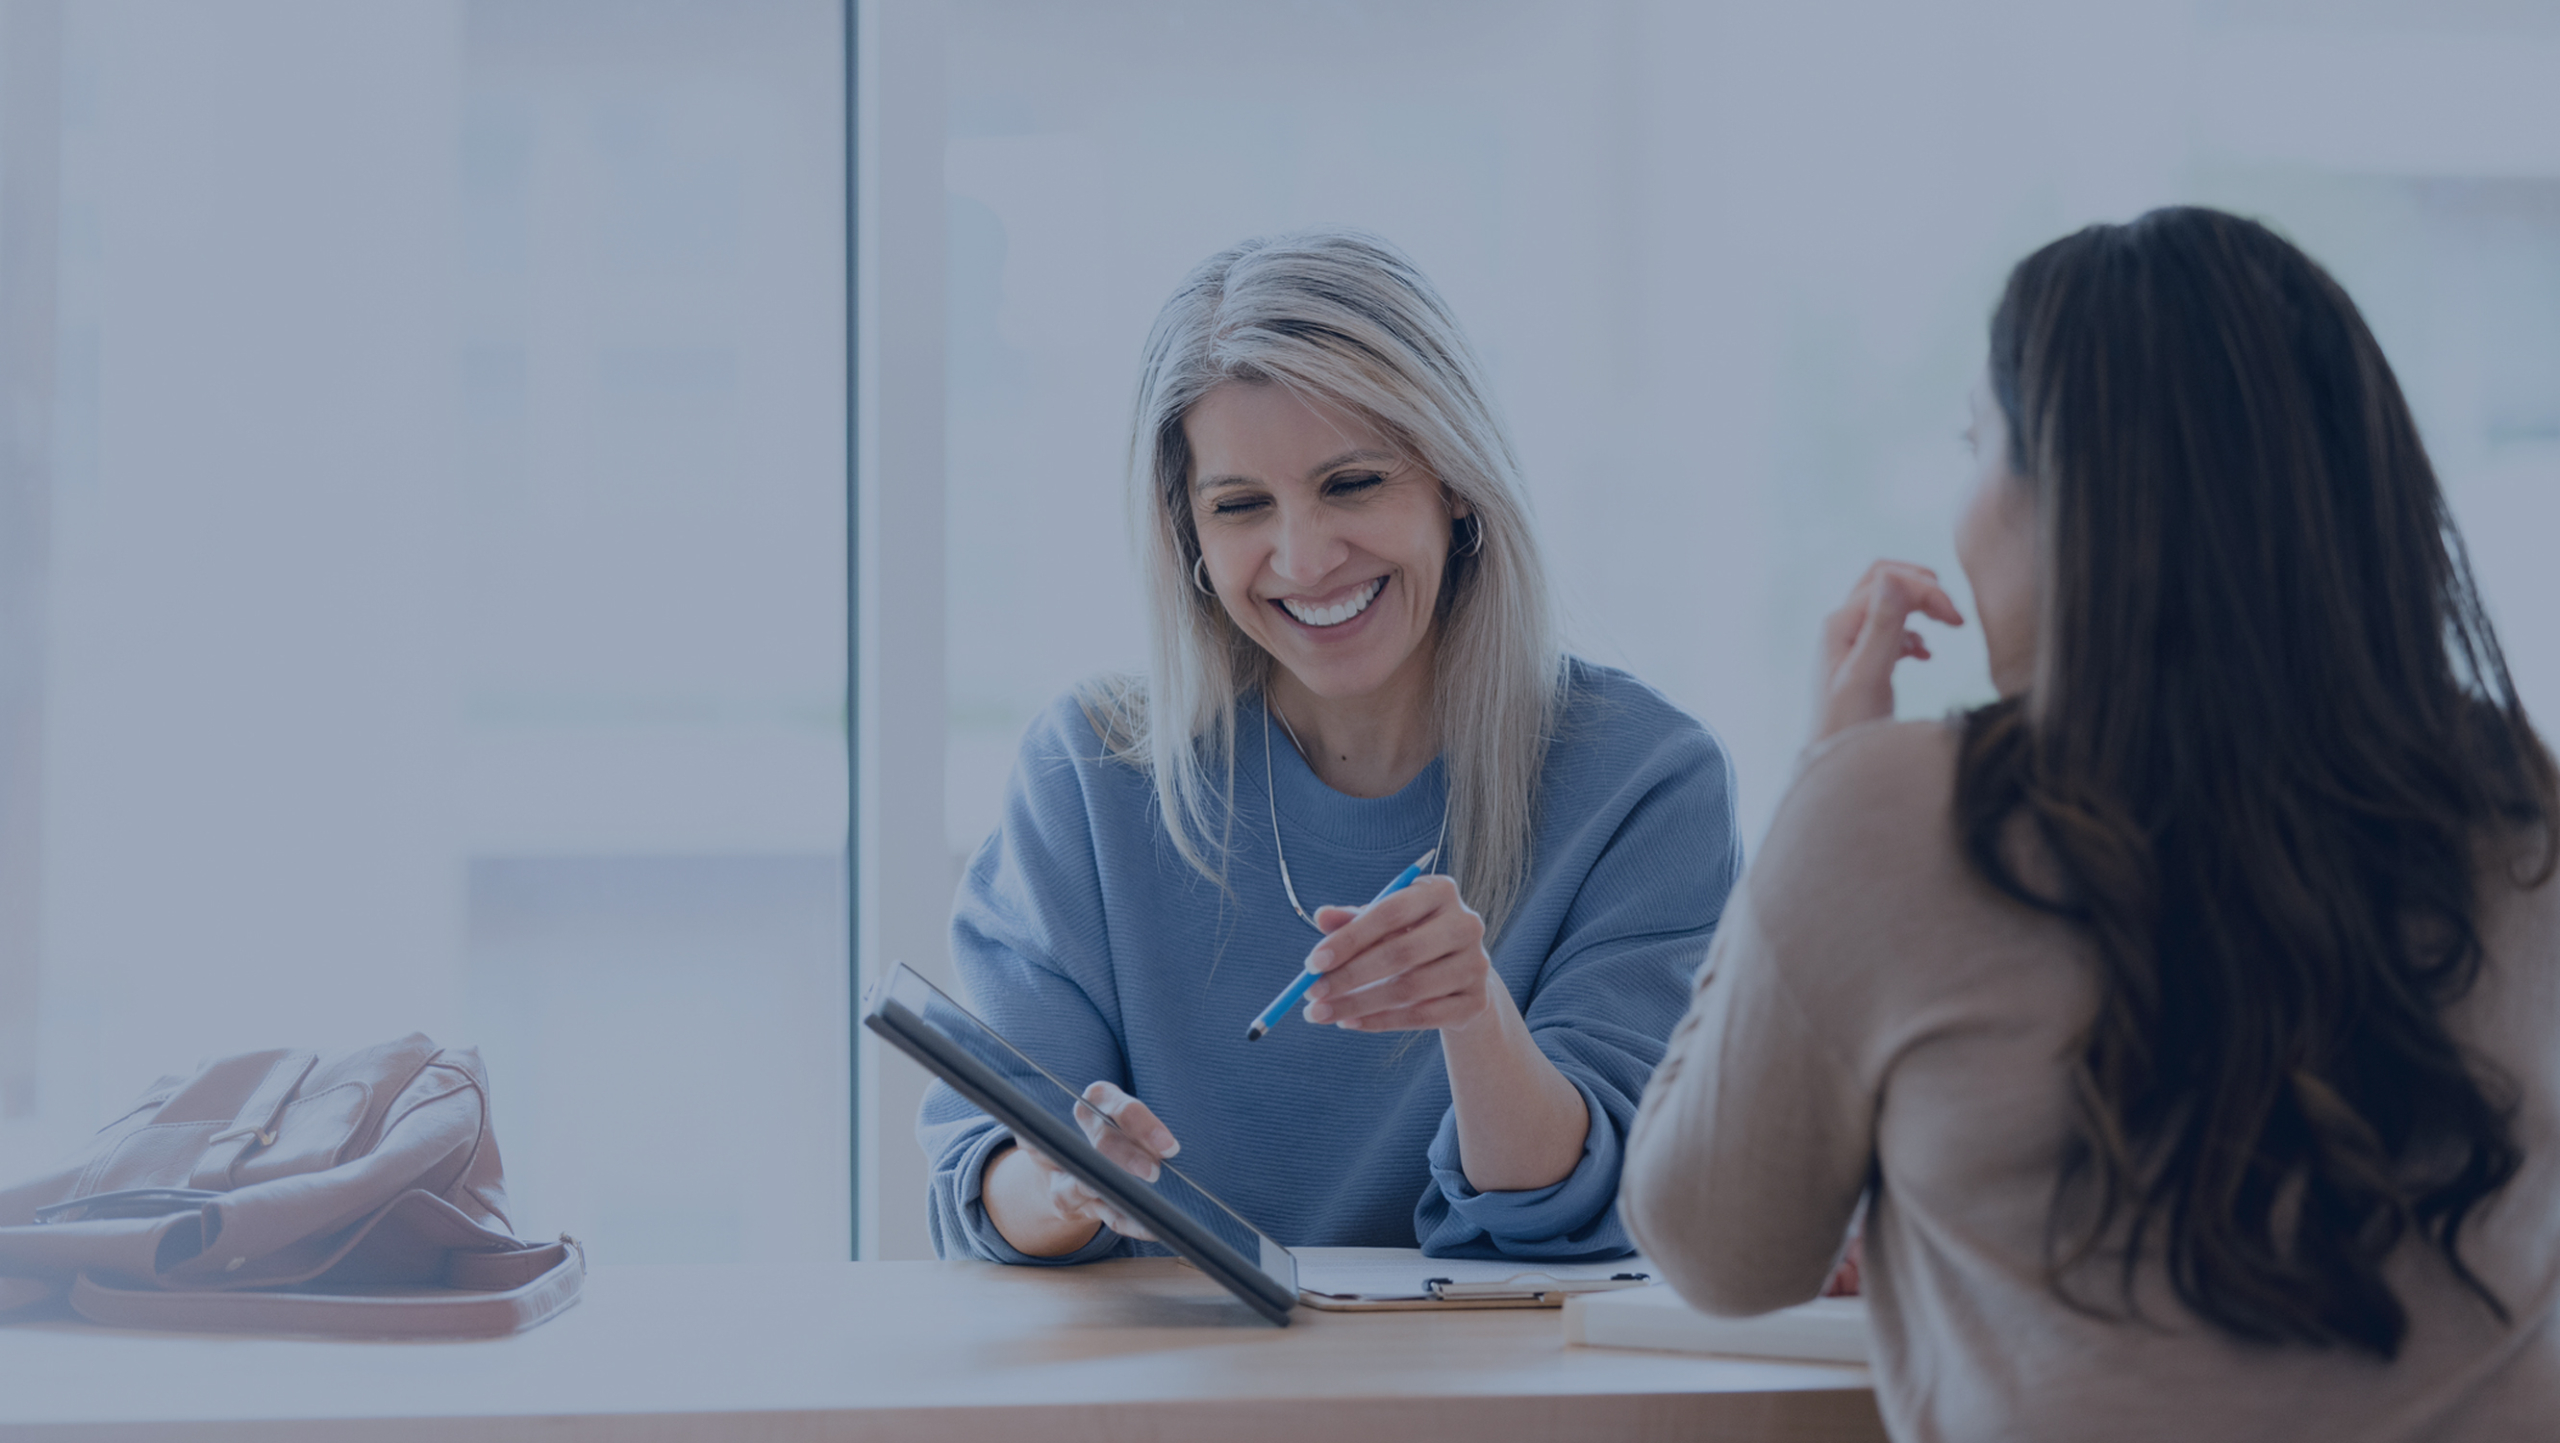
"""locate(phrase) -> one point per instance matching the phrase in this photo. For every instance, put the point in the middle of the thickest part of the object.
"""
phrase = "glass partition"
(425, 575)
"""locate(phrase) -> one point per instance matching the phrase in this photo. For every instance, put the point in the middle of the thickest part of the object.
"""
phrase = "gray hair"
(1343, 317)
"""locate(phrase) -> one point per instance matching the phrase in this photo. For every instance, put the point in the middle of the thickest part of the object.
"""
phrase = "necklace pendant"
(1271, 802)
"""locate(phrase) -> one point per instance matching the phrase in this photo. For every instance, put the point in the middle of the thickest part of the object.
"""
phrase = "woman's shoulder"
(1612, 721)
(1104, 715)
(1870, 810)
(1086, 736)
(1101, 718)
(1872, 778)
(1905, 761)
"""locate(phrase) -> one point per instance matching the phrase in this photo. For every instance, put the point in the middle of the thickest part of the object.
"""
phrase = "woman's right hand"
(1863, 640)
(1043, 1210)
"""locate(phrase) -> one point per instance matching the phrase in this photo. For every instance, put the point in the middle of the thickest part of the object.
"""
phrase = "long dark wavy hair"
(2269, 740)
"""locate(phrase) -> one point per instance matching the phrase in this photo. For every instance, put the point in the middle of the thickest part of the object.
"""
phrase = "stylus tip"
(1253, 1033)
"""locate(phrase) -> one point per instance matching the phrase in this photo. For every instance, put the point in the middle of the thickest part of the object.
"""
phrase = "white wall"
(1731, 263)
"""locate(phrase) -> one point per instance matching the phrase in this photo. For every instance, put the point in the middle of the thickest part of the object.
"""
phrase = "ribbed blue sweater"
(1086, 941)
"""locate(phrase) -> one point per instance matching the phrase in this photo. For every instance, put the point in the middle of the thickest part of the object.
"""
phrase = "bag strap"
(533, 1284)
(255, 1124)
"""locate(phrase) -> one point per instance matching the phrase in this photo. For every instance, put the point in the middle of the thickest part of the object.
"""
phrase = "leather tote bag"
(351, 1195)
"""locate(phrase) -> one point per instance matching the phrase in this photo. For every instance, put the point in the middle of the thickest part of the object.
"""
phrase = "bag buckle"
(265, 1138)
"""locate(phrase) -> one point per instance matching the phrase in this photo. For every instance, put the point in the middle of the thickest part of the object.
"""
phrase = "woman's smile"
(1336, 609)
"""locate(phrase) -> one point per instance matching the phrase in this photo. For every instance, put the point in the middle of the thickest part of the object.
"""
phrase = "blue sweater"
(1084, 939)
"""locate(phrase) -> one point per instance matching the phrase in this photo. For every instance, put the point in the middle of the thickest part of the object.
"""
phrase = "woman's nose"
(1307, 550)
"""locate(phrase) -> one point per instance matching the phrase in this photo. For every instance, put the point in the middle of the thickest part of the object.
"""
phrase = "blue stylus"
(1290, 994)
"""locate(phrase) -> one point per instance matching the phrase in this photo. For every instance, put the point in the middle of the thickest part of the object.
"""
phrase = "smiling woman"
(1332, 565)
(1331, 522)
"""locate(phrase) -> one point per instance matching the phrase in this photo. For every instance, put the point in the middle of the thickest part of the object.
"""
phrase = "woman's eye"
(1240, 506)
(1353, 485)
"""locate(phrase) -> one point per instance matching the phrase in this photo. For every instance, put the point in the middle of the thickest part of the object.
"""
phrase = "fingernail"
(1319, 992)
(1172, 1146)
(1320, 959)
(1318, 1012)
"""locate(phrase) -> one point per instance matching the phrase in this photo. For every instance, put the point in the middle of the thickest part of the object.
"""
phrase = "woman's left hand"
(1866, 637)
(1846, 1278)
(1414, 960)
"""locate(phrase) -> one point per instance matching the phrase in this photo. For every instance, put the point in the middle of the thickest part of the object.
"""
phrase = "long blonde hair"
(1343, 317)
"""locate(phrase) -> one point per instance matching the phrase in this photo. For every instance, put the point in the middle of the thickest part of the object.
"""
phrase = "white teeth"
(1341, 611)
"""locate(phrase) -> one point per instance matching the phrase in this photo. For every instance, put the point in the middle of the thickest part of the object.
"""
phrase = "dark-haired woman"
(2190, 1017)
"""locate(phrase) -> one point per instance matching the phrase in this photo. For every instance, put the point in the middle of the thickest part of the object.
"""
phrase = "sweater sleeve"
(1753, 1145)
(1608, 993)
(1028, 926)
(1757, 1137)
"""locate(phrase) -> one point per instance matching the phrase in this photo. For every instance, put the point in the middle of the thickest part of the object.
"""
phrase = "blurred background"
(1731, 265)
(423, 577)
(422, 544)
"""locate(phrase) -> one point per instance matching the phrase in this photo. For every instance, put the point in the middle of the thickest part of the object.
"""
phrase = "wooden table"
(1131, 1350)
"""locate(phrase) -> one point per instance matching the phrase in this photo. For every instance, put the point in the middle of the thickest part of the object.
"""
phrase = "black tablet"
(920, 1020)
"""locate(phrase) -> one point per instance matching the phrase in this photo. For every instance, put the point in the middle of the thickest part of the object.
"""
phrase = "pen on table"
(1290, 994)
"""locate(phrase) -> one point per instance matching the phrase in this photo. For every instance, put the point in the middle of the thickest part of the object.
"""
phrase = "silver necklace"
(1271, 799)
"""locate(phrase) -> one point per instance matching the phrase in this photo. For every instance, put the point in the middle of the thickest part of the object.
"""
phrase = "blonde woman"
(1354, 664)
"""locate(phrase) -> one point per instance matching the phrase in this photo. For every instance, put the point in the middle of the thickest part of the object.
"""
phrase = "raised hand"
(1862, 641)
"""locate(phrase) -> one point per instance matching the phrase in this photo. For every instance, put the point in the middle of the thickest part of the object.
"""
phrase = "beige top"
(1873, 1011)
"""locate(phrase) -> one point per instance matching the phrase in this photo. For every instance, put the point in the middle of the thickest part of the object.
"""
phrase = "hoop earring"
(1475, 538)
(1200, 576)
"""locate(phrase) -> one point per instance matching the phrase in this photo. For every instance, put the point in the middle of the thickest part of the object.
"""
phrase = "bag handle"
(255, 1124)
(510, 1268)
(534, 1284)
(131, 1202)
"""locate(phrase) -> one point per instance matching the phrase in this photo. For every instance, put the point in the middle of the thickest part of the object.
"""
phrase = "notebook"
(1826, 1330)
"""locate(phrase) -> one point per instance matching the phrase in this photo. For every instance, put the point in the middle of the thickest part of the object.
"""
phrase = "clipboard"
(1465, 1297)
(1392, 1280)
